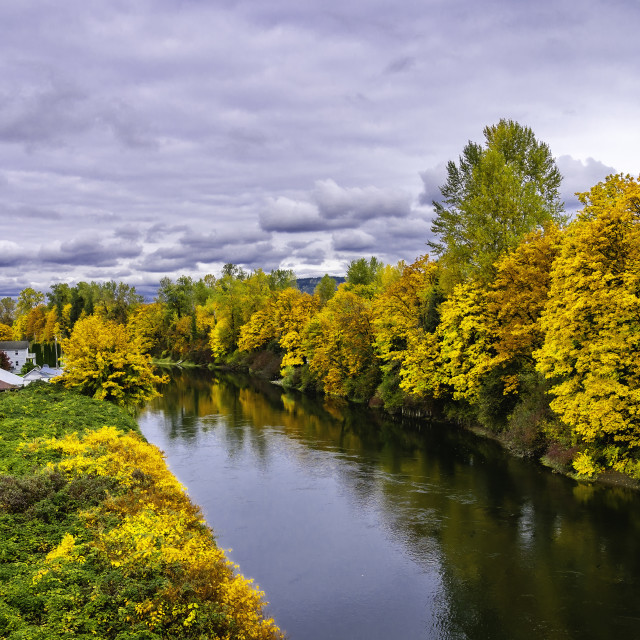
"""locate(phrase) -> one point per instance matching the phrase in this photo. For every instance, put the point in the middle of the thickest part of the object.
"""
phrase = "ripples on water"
(358, 527)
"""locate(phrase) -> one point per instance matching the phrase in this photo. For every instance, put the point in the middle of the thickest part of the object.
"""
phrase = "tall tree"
(325, 289)
(494, 197)
(28, 299)
(7, 311)
(364, 271)
(592, 329)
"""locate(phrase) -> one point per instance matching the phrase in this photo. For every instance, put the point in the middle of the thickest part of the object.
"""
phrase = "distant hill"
(308, 285)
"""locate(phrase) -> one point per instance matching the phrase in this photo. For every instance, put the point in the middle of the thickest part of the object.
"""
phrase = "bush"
(98, 539)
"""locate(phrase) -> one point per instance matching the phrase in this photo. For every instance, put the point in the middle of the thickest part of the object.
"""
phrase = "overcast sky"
(150, 138)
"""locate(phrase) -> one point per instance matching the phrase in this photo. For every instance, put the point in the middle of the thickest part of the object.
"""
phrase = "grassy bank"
(98, 539)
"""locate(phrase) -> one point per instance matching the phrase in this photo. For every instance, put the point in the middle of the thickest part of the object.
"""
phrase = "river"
(359, 527)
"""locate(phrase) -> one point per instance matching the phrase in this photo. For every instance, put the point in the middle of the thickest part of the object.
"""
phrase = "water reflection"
(359, 527)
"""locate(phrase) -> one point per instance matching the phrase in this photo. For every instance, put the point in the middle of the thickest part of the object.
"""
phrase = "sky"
(148, 138)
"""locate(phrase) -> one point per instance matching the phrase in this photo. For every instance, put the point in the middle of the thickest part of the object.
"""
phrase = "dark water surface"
(359, 528)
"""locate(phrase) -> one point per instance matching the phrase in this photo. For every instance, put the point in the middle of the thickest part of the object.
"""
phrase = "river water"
(358, 527)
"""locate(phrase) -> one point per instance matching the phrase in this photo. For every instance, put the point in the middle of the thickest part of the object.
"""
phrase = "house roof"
(42, 373)
(11, 378)
(5, 386)
(13, 345)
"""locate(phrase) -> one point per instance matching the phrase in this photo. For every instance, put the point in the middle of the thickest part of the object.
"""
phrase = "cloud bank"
(170, 137)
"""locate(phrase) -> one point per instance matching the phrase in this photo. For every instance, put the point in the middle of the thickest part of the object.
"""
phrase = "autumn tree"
(492, 198)
(103, 360)
(6, 332)
(283, 319)
(516, 299)
(35, 323)
(466, 332)
(146, 323)
(234, 299)
(404, 325)
(339, 346)
(592, 329)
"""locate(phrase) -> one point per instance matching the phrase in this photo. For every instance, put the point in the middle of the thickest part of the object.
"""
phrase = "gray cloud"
(158, 231)
(139, 143)
(57, 112)
(432, 180)
(11, 254)
(242, 246)
(330, 206)
(353, 240)
(291, 216)
(89, 251)
(579, 176)
(358, 203)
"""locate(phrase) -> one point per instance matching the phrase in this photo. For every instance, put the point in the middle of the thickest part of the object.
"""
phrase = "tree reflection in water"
(357, 526)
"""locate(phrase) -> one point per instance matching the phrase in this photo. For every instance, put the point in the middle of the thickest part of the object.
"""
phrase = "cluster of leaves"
(104, 360)
(98, 539)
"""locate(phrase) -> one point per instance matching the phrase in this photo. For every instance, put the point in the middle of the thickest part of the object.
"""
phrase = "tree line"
(520, 320)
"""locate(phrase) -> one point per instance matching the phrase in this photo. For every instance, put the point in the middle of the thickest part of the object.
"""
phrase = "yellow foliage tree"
(466, 334)
(516, 300)
(6, 332)
(339, 344)
(102, 359)
(146, 323)
(404, 327)
(35, 323)
(592, 329)
(283, 318)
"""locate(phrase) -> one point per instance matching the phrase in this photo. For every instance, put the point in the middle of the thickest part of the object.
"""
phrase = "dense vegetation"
(97, 538)
(525, 324)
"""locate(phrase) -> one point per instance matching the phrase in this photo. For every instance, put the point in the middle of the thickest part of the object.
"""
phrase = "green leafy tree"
(59, 296)
(281, 279)
(325, 289)
(236, 296)
(7, 310)
(363, 271)
(117, 300)
(177, 297)
(494, 197)
(28, 299)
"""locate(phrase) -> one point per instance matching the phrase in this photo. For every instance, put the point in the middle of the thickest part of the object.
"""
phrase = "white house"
(18, 353)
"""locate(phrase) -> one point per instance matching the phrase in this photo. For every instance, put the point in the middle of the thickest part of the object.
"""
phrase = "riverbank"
(98, 539)
(519, 443)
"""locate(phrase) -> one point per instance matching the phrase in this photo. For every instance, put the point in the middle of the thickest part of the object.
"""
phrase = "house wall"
(18, 357)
